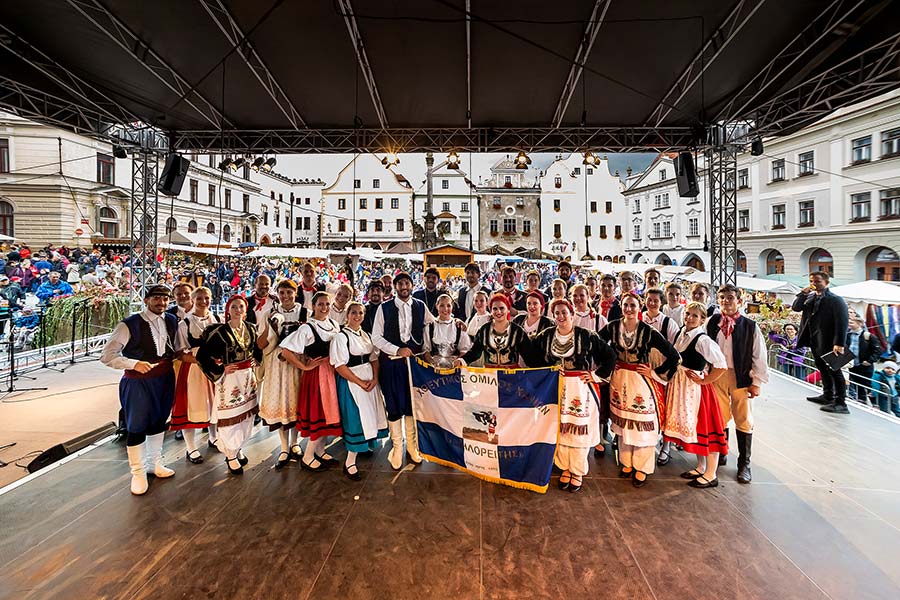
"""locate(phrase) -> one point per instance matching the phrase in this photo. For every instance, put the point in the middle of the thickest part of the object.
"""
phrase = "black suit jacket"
(459, 309)
(870, 348)
(822, 327)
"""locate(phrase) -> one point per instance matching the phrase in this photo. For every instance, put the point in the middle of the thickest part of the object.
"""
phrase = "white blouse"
(590, 321)
(348, 343)
(657, 323)
(477, 322)
(707, 348)
(303, 337)
(337, 315)
(445, 333)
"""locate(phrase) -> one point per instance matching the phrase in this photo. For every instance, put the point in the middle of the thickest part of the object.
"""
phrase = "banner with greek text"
(499, 425)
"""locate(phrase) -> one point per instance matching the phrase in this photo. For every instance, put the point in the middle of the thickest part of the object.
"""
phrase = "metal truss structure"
(721, 163)
(363, 59)
(144, 211)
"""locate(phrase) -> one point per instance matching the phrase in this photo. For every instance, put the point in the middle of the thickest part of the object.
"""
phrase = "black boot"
(744, 441)
(836, 407)
(820, 399)
(723, 458)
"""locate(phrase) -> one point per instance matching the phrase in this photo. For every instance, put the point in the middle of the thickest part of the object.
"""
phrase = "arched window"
(109, 222)
(622, 259)
(607, 258)
(821, 260)
(7, 224)
(663, 259)
(192, 226)
(774, 263)
(211, 228)
(226, 233)
(171, 225)
(694, 262)
(248, 235)
(740, 261)
(883, 264)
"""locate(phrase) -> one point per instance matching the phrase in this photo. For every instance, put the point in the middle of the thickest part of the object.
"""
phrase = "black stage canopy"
(414, 75)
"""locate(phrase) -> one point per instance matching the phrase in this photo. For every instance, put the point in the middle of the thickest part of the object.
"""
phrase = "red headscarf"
(232, 299)
(539, 296)
(499, 297)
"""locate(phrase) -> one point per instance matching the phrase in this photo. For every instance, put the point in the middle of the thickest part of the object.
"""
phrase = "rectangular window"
(693, 227)
(211, 160)
(395, 203)
(445, 184)
(379, 225)
(444, 228)
(637, 205)
(400, 224)
(608, 207)
(363, 204)
(306, 221)
(379, 203)
(618, 232)
(246, 202)
(507, 181)
(526, 227)
(194, 191)
(265, 215)
(603, 232)
(212, 195)
(357, 184)
(778, 216)
(556, 204)
(636, 233)
(890, 143)
(363, 225)
(587, 231)
(890, 204)
(589, 171)
(445, 206)
(342, 204)
(557, 230)
(557, 182)
(520, 201)
(496, 202)
(376, 183)
(495, 226)
(861, 150)
(106, 169)
(465, 207)
(464, 228)
(306, 201)
(743, 179)
(277, 217)
(806, 166)
(657, 230)
(661, 201)
(298, 223)
(272, 194)
(342, 225)
(807, 213)
(578, 170)
(509, 225)
(744, 220)
(778, 169)
(4, 155)
(281, 197)
(593, 206)
(667, 229)
(662, 174)
(861, 207)
(228, 199)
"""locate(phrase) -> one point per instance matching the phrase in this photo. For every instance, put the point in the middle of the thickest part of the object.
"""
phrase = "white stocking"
(292, 435)
(702, 462)
(213, 432)
(190, 440)
(351, 461)
(712, 465)
(284, 440)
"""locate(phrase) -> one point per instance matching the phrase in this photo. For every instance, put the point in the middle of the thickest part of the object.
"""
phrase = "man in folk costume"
(564, 272)
(375, 293)
(261, 302)
(608, 304)
(183, 303)
(308, 286)
(143, 346)
(744, 347)
(398, 332)
(465, 299)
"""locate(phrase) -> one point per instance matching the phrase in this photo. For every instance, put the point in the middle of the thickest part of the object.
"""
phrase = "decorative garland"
(105, 309)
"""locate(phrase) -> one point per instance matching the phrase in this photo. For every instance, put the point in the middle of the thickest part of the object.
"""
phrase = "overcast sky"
(327, 166)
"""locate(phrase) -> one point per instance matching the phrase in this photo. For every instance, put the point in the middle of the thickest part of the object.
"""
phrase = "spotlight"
(390, 160)
(522, 160)
(453, 160)
(226, 163)
(257, 163)
(119, 152)
(590, 159)
(269, 164)
(238, 163)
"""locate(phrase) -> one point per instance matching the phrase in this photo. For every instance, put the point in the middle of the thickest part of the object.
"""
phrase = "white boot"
(412, 440)
(138, 474)
(154, 457)
(395, 457)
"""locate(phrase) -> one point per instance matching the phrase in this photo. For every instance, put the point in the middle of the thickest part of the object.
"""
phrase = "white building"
(509, 210)
(370, 203)
(455, 207)
(582, 210)
(826, 198)
(662, 227)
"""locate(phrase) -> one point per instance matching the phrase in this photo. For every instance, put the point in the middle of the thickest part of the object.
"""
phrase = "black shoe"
(723, 460)
(326, 461)
(701, 483)
(690, 475)
(352, 476)
(283, 462)
(639, 482)
(818, 399)
(564, 485)
(839, 409)
(242, 459)
(179, 434)
(304, 465)
(212, 445)
(238, 471)
(296, 453)
(663, 459)
(573, 487)
(623, 474)
(194, 459)
(599, 452)
(744, 475)
(257, 420)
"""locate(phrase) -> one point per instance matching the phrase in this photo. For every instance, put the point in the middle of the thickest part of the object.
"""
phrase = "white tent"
(270, 252)
(194, 239)
(194, 250)
(754, 284)
(869, 292)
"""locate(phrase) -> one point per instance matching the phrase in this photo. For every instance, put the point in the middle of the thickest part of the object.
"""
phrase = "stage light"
(390, 160)
(453, 160)
(257, 163)
(226, 163)
(269, 164)
(522, 160)
(590, 159)
(238, 163)
(119, 152)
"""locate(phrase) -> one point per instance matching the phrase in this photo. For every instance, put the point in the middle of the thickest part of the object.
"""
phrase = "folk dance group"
(645, 367)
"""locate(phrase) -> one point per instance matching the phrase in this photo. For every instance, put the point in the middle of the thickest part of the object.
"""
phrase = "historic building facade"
(455, 208)
(509, 205)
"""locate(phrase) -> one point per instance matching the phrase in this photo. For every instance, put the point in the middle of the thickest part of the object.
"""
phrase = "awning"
(869, 292)
(208, 240)
(195, 250)
(271, 252)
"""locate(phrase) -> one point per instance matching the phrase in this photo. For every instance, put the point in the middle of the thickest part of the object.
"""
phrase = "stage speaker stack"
(172, 178)
(686, 175)
(60, 451)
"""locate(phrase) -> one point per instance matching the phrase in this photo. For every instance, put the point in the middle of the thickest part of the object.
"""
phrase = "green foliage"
(104, 310)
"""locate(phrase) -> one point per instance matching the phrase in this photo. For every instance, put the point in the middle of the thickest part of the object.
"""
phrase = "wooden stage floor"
(820, 520)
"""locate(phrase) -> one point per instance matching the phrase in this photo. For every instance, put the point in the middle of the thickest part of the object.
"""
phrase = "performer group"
(642, 371)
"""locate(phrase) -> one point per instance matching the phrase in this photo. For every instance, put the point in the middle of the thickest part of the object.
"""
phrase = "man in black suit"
(430, 294)
(465, 299)
(564, 272)
(823, 329)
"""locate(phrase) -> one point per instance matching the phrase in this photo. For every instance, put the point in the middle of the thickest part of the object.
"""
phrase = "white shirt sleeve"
(378, 334)
(759, 368)
(426, 339)
(181, 339)
(112, 352)
(429, 318)
(673, 331)
(465, 342)
(299, 340)
(710, 350)
(601, 321)
(339, 351)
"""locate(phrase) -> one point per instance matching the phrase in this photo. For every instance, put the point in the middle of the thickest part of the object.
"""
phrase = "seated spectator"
(54, 287)
(887, 393)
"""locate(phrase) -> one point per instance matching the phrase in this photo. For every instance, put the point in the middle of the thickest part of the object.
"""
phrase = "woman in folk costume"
(318, 414)
(355, 360)
(281, 387)
(558, 289)
(651, 315)
(500, 342)
(693, 417)
(584, 359)
(533, 321)
(584, 316)
(444, 341)
(637, 404)
(194, 393)
(480, 315)
(338, 311)
(228, 354)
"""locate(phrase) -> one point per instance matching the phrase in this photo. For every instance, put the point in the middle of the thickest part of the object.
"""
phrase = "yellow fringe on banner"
(541, 489)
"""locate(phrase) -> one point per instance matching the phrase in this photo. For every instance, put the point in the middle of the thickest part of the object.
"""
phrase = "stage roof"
(334, 75)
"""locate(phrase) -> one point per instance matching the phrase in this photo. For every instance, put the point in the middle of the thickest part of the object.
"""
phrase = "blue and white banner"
(499, 425)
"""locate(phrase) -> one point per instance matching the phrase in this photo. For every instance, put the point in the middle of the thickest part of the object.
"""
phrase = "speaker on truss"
(172, 178)
(60, 451)
(756, 147)
(686, 175)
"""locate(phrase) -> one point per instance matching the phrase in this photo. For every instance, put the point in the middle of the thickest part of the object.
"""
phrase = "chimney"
(628, 171)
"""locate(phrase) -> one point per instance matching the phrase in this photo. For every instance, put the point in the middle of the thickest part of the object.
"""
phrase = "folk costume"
(146, 398)
(445, 342)
(577, 353)
(497, 350)
(535, 328)
(305, 294)
(281, 388)
(664, 324)
(476, 322)
(362, 413)
(590, 320)
(637, 403)
(676, 314)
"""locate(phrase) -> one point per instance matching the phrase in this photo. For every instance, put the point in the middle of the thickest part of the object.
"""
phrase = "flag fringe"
(541, 489)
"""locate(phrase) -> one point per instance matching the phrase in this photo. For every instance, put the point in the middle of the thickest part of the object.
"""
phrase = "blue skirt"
(394, 379)
(147, 401)
(354, 438)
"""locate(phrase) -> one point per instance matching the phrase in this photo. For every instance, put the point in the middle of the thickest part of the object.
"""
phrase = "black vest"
(319, 347)
(140, 344)
(691, 358)
(743, 339)
(391, 316)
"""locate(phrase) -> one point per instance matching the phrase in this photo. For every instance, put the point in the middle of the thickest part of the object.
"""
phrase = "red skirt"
(180, 419)
(710, 429)
(311, 420)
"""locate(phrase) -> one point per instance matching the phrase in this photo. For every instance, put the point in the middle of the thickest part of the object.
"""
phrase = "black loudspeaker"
(172, 178)
(60, 451)
(686, 175)
(756, 148)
